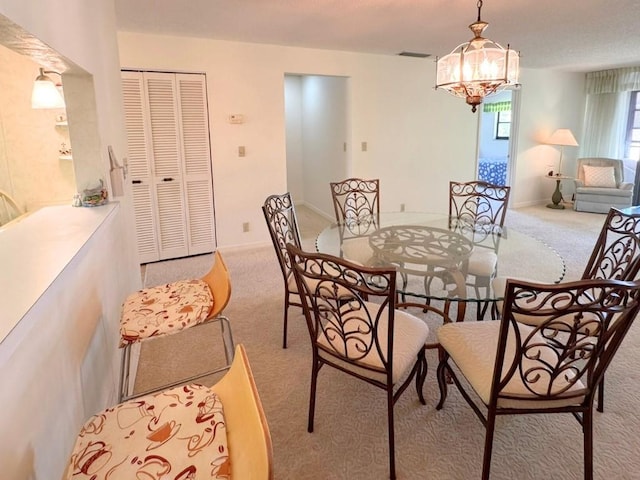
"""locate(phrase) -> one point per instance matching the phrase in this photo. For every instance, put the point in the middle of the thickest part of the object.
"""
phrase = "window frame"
(633, 123)
(501, 123)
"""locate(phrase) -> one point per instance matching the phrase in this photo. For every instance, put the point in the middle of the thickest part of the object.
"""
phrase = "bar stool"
(169, 309)
(191, 431)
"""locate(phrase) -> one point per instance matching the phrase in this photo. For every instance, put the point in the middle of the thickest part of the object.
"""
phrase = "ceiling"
(570, 35)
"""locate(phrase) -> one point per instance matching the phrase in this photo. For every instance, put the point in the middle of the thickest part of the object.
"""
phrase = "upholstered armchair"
(600, 185)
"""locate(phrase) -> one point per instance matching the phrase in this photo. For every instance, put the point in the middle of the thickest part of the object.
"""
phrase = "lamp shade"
(45, 94)
(563, 136)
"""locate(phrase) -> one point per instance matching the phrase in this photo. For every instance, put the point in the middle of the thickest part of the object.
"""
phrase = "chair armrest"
(579, 183)
(626, 186)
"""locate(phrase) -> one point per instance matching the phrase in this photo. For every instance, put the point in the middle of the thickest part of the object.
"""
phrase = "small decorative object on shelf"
(93, 197)
(64, 150)
(77, 201)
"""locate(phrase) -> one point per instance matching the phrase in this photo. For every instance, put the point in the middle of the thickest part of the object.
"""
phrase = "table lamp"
(562, 137)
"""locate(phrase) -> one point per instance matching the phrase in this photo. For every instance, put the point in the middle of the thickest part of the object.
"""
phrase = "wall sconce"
(45, 93)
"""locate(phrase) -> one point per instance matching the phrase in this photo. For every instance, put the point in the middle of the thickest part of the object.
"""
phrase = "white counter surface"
(36, 249)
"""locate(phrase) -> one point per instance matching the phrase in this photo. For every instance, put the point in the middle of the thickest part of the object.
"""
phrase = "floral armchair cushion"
(177, 434)
(165, 309)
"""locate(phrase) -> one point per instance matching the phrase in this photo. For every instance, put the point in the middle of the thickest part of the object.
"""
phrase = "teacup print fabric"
(179, 434)
(157, 311)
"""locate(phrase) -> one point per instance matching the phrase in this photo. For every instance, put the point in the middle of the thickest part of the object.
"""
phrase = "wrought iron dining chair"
(615, 256)
(171, 308)
(554, 366)
(355, 327)
(280, 215)
(481, 207)
(192, 431)
(356, 200)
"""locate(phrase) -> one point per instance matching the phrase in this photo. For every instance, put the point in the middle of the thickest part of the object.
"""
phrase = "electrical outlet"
(245, 227)
(402, 207)
(241, 151)
(364, 146)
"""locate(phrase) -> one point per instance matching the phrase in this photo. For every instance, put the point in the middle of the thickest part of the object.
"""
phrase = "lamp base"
(556, 198)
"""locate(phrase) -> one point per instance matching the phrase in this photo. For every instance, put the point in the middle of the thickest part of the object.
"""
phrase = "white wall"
(549, 100)
(52, 380)
(324, 133)
(317, 132)
(417, 138)
(293, 118)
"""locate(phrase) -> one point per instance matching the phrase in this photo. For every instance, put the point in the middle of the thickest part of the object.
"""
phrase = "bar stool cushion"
(165, 309)
(179, 433)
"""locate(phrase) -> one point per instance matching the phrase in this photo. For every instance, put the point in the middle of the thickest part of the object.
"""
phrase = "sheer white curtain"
(607, 110)
(605, 125)
(606, 117)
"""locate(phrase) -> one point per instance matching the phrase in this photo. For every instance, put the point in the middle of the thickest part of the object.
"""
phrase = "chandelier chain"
(479, 8)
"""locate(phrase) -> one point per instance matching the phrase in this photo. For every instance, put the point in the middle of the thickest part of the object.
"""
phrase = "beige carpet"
(350, 437)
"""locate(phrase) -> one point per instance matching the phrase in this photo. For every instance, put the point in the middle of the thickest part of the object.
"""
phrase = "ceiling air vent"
(414, 54)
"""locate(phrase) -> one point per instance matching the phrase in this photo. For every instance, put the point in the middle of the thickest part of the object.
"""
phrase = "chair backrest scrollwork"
(478, 203)
(356, 200)
(349, 308)
(563, 356)
(280, 214)
(616, 254)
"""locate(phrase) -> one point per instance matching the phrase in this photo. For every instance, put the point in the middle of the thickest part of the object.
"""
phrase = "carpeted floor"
(350, 437)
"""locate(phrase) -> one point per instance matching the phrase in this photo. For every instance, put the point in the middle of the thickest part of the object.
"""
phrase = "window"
(503, 125)
(632, 139)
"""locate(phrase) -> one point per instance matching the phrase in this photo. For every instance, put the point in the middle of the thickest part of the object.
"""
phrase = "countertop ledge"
(36, 249)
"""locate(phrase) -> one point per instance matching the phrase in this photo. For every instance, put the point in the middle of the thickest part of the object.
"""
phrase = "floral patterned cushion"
(176, 434)
(165, 309)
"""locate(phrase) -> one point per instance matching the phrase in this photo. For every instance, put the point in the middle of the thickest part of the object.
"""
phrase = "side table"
(556, 197)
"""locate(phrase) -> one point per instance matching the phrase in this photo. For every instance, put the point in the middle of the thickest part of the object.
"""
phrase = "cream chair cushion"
(482, 262)
(179, 433)
(165, 309)
(473, 347)
(409, 336)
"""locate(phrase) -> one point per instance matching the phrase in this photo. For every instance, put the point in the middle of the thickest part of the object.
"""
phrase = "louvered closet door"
(169, 163)
(166, 164)
(139, 168)
(192, 102)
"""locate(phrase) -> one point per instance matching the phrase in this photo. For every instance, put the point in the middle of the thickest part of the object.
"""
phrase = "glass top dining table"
(433, 253)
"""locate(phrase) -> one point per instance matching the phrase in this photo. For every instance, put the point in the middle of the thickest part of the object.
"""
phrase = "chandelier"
(477, 68)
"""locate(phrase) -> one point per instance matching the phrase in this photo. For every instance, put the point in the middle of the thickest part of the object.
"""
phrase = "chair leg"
(601, 395)
(482, 310)
(421, 375)
(227, 339)
(392, 451)
(286, 313)
(125, 365)
(587, 428)
(495, 314)
(442, 381)
(488, 445)
(312, 396)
